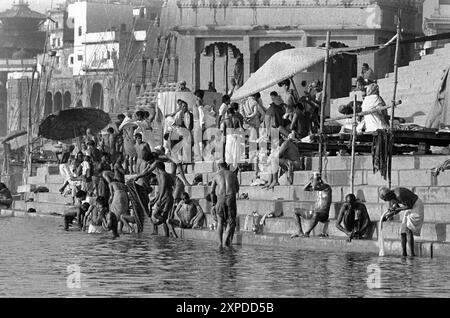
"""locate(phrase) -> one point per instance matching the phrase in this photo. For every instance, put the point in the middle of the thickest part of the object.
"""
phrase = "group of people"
(96, 172)
(353, 218)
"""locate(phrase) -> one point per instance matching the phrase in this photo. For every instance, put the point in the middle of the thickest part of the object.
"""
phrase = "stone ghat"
(410, 171)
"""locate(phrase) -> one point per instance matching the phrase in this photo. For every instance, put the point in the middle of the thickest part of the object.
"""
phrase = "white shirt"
(85, 167)
(223, 109)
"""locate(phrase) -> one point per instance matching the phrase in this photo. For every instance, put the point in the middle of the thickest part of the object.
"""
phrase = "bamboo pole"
(29, 150)
(397, 53)
(324, 100)
(354, 124)
(163, 61)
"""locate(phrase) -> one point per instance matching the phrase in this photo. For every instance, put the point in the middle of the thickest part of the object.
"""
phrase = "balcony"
(13, 65)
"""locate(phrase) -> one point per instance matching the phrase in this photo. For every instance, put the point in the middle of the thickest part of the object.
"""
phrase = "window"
(71, 60)
(113, 55)
(56, 25)
(54, 42)
(80, 31)
(80, 57)
(58, 60)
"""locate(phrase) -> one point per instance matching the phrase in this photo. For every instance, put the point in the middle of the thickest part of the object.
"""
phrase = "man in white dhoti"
(402, 199)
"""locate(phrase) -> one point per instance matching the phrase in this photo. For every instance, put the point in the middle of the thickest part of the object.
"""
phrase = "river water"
(39, 259)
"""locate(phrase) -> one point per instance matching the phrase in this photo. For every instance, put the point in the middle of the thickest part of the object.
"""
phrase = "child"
(96, 216)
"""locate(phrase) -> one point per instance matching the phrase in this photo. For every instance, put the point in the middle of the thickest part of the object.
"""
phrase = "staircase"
(417, 87)
(413, 172)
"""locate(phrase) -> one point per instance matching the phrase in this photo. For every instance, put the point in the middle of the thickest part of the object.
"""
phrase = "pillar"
(248, 58)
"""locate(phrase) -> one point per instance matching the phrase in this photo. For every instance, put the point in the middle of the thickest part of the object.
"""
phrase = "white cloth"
(94, 229)
(374, 121)
(413, 219)
(234, 148)
(223, 109)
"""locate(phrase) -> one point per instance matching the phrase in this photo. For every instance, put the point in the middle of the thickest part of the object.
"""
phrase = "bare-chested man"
(144, 155)
(225, 186)
(188, 214)
(353, 218)
(162, 203)
(403, 199)
(321, 210)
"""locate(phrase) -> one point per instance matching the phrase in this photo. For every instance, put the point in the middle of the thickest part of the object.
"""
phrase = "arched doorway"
(79, 104)
(97, 96)
(343, 68)
(219, 63)
(57, 102)
(265, 52)
(48, 108)
(67, 100)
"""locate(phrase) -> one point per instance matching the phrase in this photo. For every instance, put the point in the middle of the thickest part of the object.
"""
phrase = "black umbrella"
(72, 123)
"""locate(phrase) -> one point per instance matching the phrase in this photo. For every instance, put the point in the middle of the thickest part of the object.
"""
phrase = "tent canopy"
(280, 66)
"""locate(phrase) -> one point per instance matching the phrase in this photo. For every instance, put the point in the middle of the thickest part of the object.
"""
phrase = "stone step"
(391, 230)
(392, 247)
(406, 162)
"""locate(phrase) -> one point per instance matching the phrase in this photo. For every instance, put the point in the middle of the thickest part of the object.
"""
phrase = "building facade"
(21, 39)
(213, 34)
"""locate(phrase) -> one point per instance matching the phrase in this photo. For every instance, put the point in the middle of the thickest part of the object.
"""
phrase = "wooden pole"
(397, 53)
(354, 124)
(324, 101)
(29, 150)
(163, 61)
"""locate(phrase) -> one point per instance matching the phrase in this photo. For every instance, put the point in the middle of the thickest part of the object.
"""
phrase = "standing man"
(402, 199)
(162, 203)
(198, 129)
(353, 218)
(321, 209)
(143, 156)
(225, 186)
(223, 109)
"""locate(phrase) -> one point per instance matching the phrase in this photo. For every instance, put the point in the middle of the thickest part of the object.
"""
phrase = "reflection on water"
(35, 254)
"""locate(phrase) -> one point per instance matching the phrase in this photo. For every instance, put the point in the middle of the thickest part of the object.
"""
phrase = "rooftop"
(21, 10)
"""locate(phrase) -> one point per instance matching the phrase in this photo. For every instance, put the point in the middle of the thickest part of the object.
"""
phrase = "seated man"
(353, 218)
(83, 202)
(189, 215)
(321, 210)
(288, 160)
(5, 197)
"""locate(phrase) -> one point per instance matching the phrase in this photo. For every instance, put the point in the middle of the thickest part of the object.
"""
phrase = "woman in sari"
(377, 120)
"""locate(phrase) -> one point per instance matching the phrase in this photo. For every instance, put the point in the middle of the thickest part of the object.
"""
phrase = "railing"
(16, 64)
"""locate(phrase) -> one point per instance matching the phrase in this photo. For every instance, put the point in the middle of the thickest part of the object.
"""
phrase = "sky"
(38, 5)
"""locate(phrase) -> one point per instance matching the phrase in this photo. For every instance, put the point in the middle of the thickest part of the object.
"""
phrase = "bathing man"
(225, 186)
(353, 218)
(321, 209)
(402, 199)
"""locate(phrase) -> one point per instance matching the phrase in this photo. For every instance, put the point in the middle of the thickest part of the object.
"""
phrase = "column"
(248, 58)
